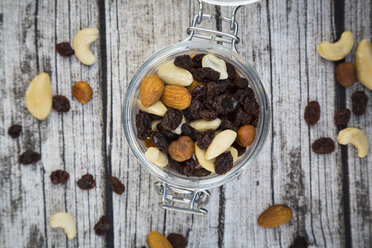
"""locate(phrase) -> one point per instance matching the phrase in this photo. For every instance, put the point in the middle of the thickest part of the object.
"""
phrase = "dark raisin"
(167, 134)
(231, 71)
(242, 118)
(172, 119)
(188, 130)
(155, 117)
(177, 240)
(14, 131)
(61, 103)
(197, 60)
(212, 92)
(102, 226)
(208, 114)
(241, 150)
(226, 124)
(175, 165)
(223, 86)
(159, 141)
(342, 116)
(116, 185)
(194, 109)
(323, 146)
(225, 104)
(86, 182)
(184, 61)
(299, 242)
(143, 125)
(223, 163)
(59, 176)
(312, 113)
(64, 49)
(251, 106)
(206, 75)
(188, 167)
(199, 92)
(205, 139)
(29, 157)
(187, 114)
(241, 83)
(201, 172)
(359, 101)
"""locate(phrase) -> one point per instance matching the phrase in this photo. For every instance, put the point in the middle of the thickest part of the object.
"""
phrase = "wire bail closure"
(213, 35)
(193, 201)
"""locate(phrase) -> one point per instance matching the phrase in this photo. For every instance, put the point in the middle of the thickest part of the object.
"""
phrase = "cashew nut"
(82, 41)
(38, 97)
(216, 64)
(157, 108)
(171, 74)
(157, 157)
(356, 137)
(337, 50)
(363, 60)
(206, 164)
(220, 143)
(203, 125)
(64, 221)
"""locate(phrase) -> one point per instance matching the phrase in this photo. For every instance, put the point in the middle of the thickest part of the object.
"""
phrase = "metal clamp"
(213, 35)
(193, 200)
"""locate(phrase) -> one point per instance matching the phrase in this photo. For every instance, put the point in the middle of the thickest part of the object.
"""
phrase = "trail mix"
(196, 115)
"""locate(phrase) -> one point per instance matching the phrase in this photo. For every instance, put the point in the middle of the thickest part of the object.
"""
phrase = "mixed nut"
(193, 111)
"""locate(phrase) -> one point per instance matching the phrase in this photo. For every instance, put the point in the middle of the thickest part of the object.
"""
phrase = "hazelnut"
(181, 149)
(246, 135)
(346, 74)
(82, 92)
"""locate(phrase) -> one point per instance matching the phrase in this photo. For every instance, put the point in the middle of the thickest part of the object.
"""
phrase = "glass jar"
(177, 189)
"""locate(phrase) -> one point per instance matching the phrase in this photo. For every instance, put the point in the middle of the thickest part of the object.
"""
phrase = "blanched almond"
(157, 108)
(234, 153)
(171, 74)
(203, 125)
(216, 64)
(220, 143)
(38, 97)
(206, 164)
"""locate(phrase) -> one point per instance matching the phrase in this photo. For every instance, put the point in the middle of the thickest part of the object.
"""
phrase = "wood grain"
(329, 195)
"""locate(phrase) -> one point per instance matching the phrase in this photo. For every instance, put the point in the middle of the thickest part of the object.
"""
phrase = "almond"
(220, 143)
(274, 216)
(151, 90)
(181, 149)
(175, 96)
(157, 240)
(246, 135)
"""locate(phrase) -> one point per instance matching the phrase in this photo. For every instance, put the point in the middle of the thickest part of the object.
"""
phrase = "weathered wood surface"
(331, 195)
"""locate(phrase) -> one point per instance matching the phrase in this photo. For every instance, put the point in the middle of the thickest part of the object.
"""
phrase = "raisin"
(175, 165)
(116, 185)
(177, 240)
(242, 118)
(224, 86)
(188, 167)
(86, 182)
(29, 157)
(226, 124)
(342, 116)
(359, 100)
(14, 131)
(201, 172)
(159, 141)
(184, 61)
(61, 103)
(199, 92)
(205, 139)
(225, 104)
(143, 125)
(64, 49)
(102, 226)
(154, 117)
(212, 92)
(231, 71)
(223, 163)
(172, 119)
(208, 114)
(194, 109)
(241, 83)
(323, 146)
(251, 106)
(188, 130)
(206, 75)
(312, 113)
(197, 60)
(299, 242)
(187, 114)
(59, 176)
(241, 150)
(167, 134)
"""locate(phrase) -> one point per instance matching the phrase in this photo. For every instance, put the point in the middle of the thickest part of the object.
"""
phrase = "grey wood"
(330, 195)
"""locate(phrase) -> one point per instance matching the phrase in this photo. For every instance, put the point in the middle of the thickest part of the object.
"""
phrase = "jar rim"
(196, 183)
(230, 2)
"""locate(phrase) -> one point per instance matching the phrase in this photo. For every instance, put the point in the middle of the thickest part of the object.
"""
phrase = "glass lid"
(230, 2)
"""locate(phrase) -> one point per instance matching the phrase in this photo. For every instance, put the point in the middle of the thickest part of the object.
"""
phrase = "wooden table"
(330, 195)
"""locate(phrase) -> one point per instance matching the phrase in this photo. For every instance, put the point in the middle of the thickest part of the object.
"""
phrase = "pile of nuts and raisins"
(197, 115)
